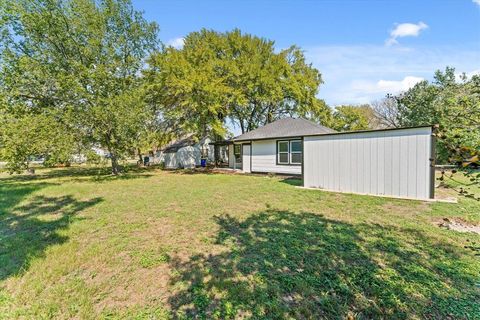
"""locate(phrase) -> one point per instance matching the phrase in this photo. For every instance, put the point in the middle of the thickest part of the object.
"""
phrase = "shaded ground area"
(27, 229)
(283, 265)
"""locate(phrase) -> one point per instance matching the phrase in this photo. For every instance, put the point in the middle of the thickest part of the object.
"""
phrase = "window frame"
(239, 154)
(295, 152)
(280, 152)
(289, 152)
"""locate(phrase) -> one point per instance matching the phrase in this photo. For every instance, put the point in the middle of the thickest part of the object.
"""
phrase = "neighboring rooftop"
(185, 141)
(283, 128)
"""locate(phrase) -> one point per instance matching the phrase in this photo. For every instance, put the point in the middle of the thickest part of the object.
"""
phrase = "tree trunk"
(140, 160)
(115, 166)
(113, 156)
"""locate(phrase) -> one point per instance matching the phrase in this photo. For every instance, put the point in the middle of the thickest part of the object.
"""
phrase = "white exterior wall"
(170, 160)
(186, 157)
(391, 163)
(264, 159)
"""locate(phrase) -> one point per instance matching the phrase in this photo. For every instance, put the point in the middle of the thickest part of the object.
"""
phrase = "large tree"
(78, 61)
(386, 112)
(451, 102)
(351, 118)
(220, 77)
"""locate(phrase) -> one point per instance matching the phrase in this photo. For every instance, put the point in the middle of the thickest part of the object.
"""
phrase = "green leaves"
(351, 118)
(79, 60)
(453, 105)
(218, 77)
(31, 136)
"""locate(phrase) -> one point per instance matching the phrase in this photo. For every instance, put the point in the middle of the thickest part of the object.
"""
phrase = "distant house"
(185, 152)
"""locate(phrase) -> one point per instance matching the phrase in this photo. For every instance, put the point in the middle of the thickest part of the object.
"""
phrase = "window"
(289, 152)
(296, 152)
(283, 152)
(237, 151)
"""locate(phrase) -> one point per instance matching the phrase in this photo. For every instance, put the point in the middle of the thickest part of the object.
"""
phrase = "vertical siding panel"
(320, 154)
(374, 164)
(412, 166)
(345, 166)
(381, 164)
(354, 161)
(329, 173)
(388, 141)
(306, 162)
(395, 165)
(359, 160)
(350, 164)
(313, 165)
(311, 152)
(403, 164)
(368, 162)
(338, 175)
(334, 164)
(422, 169)
(385, 163)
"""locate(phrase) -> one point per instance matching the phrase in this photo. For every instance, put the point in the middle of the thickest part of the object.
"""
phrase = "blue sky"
(364, 49)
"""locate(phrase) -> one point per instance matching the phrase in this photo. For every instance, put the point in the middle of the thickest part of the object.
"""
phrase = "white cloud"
(405, 30)
(364, 73)
(177, 43)
(382, 86)
(476, 2)
(468, 75)
(398, 86)
(474, 72)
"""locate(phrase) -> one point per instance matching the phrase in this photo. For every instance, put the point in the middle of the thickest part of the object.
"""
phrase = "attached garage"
(397, 162)
(387, 162)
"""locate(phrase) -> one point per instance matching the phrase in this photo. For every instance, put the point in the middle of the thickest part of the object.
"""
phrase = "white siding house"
(264, 158)
(184, 153)
(272, 147)
(388, 162)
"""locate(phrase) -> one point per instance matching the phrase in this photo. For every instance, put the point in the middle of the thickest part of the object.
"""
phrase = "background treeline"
(84, 74)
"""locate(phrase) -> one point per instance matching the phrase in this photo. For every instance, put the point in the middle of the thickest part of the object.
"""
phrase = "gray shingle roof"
(283, 128)
(180, 143)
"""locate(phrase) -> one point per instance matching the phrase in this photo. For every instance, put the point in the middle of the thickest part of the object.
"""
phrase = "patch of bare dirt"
(421, 207)
(444, 193)
(459, 226)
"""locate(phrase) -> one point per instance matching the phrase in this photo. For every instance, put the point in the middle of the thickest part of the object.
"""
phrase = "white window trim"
(292, 152)
(287, 152)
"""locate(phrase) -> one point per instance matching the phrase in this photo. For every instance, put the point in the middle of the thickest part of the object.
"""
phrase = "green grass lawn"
(76, 243)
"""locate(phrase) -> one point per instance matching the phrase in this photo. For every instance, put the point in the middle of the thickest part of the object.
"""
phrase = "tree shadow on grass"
(284, 265)
(27, 230)
(12, 193)
(79, 174)
(293, 181)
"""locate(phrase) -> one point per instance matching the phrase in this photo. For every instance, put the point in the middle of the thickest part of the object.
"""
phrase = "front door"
(246, 148)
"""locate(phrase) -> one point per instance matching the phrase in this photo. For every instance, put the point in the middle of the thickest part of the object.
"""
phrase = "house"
(185, 152)
(388, 162)
(273, 148)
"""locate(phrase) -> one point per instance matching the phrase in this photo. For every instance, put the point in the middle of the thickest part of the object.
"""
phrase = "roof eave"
(331, 133)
